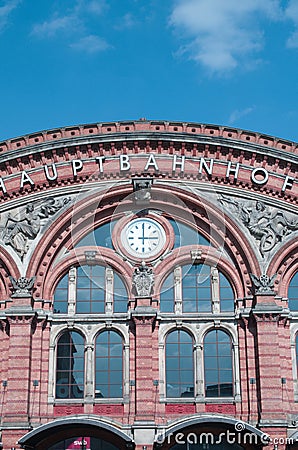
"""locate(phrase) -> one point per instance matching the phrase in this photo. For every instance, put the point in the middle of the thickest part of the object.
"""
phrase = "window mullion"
(72, 290)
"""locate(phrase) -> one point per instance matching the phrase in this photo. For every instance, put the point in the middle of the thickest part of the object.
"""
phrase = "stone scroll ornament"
(19, 230)
(143, 280)
(267, 225)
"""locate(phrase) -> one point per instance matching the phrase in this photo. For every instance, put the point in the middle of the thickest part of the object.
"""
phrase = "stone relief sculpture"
(22, 287)
(143, 280)
(142, 190)
(263, 284)
(19, 230)
(267, 225)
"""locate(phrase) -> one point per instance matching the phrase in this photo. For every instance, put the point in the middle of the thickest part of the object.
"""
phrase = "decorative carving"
(183, 408)
(221, 408)
(143, 280)
(264, 284)
(18, 231)
(142, 189)
(90, 256)
(22, 287)
(267, 225)
(196, 255)
(108, 410)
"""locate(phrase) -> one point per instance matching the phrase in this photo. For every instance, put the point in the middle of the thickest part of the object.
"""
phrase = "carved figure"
(143, 280)
(266, 225)
(142, 190)
(19, 231)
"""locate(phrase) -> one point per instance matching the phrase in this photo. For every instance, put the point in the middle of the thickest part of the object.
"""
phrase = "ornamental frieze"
(22, 228)
(267, 225)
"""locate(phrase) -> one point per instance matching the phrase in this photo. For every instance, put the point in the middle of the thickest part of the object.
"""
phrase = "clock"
(143, 237)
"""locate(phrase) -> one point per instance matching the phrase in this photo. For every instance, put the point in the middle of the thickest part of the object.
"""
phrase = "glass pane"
(293, 293)
(218, 364)
(179, 364)
(109, 363)
(101, 236)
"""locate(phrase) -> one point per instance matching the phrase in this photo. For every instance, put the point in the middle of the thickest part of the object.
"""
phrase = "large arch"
(216, 425)
(48, 434)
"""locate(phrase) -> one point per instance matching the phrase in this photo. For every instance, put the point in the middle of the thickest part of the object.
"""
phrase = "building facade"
(148, 288)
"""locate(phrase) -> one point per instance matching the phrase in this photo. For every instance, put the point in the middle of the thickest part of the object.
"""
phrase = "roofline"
(154, 127)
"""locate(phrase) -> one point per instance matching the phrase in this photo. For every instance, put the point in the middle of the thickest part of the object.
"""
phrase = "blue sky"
(226, 62)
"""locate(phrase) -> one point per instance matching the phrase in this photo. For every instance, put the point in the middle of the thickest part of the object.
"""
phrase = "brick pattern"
(221, 409)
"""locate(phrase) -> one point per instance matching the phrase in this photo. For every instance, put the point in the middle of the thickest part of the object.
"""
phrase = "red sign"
(79, 443)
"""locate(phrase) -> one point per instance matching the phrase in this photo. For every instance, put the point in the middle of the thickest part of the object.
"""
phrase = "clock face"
(143, 237)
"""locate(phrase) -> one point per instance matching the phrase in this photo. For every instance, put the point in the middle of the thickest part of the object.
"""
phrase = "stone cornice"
(148, 130)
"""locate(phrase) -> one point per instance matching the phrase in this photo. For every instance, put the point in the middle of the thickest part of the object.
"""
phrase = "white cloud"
(291, 13)
(90, 44)
(74, 25)
(126, 22)
(222, 34)
(5, 10)
(238, 114)
(57, 24)
(90, 6)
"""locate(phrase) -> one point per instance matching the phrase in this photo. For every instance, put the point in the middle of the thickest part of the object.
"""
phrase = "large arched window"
(61, 296)
(120, 295)
(179, 365)
(167, 294)
(196, 288)
(90, 289)
(226, 294)
(109, 365)
(70, 366)
(218, 364)
(293, 293)
(201, 288)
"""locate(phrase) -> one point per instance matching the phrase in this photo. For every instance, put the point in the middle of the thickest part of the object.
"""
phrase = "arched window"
(167, 294)
(120, 295)
(70, 366)
(179, 365)
(226, 294)
(293, 293)
(99, 237)
(61, 296)
(196, 288)
(90, 289)
(218, 364)
(109, 365)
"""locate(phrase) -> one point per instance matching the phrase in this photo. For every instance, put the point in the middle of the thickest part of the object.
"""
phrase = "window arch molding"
(232, 333)
(62, 332)
(198, 336)
(209, 256)
(285, 264)
(106, 258)
(89, 337)
(163, 334)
